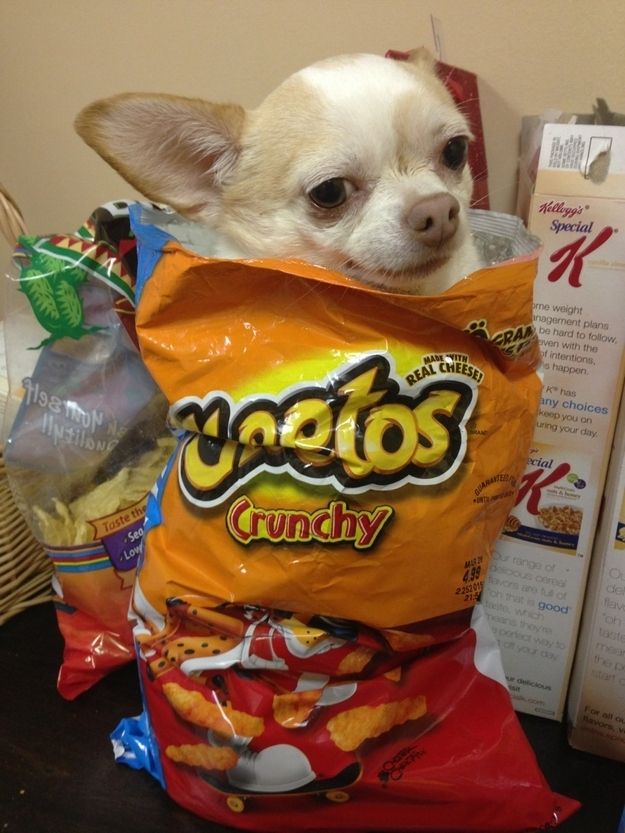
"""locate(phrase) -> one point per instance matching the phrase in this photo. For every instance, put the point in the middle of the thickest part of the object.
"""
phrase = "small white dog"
(356, 163)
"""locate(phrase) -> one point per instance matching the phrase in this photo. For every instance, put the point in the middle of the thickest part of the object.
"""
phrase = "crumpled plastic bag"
(87, 432)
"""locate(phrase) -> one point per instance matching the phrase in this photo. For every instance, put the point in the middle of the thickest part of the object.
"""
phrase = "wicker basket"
(25, 570)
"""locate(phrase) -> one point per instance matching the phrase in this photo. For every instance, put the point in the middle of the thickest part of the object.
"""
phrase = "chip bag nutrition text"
(310, 648)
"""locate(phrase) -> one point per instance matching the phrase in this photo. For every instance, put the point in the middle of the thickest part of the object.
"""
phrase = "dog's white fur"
(377, 129)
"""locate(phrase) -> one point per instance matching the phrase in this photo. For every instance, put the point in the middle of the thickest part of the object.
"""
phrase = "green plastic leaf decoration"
(51, 287)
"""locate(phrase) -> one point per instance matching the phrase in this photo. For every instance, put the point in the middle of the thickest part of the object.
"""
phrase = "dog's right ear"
(174, 150)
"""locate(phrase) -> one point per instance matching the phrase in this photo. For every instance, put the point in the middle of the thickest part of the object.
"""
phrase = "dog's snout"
(434, 219)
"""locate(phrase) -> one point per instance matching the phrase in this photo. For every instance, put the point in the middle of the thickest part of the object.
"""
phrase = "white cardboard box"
(535, 588)
(596, 707)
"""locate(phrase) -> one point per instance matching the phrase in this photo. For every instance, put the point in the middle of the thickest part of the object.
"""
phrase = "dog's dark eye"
(455, 152)
(331, 193)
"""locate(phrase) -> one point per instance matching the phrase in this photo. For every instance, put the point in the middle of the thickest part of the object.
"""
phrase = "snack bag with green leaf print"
(85, 431)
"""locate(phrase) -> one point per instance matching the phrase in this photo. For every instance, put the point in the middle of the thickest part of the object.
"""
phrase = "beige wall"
(57, 56)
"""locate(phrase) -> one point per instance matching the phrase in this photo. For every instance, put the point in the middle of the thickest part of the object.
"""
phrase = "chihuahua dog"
(357, 164)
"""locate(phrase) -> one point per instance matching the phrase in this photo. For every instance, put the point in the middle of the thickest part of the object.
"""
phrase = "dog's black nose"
(434, 219)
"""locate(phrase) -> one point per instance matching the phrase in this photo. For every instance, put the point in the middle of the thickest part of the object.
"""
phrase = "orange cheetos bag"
(311, 650)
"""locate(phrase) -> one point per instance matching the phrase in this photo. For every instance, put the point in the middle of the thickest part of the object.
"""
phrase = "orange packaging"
(315, 549)
(351, 442)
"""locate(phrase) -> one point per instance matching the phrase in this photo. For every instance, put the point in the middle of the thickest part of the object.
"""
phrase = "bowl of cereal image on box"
(561, 524)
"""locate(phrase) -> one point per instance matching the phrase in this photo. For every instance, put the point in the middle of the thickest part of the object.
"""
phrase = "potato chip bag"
(87, 434)
(311, 651)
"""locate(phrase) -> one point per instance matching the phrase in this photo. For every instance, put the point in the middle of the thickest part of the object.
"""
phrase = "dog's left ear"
(174, 150)
(422, 58)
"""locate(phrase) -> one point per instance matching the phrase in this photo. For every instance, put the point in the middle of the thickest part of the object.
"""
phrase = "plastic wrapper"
(87, 434)
(310, 650)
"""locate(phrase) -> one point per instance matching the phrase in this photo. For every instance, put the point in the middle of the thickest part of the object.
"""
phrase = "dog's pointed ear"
(174, 150)
(422, 58)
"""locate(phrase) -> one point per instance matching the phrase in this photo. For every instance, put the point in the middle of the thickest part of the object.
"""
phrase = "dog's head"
(357, 163)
